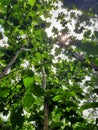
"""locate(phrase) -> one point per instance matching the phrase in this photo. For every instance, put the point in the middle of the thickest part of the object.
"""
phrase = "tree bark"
(46, 123)
(12, 61)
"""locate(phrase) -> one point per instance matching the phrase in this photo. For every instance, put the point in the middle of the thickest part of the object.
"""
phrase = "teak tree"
(43, 79)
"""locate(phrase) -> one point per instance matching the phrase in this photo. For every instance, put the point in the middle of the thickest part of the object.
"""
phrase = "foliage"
(22, 58)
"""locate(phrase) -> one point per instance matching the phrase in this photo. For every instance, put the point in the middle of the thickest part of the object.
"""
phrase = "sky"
(70, 25)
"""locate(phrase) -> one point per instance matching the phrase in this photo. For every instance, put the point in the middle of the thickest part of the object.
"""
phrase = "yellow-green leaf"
(31, 2)
(28, 81)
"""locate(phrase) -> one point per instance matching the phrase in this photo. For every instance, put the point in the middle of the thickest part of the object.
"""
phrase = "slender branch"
(13, 72)
(79, 57)
(46, 123)
(43, 78)
(4, 72)
(82, 59)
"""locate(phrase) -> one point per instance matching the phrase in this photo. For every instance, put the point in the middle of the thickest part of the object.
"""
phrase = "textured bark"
(46, 123)
(12, 61)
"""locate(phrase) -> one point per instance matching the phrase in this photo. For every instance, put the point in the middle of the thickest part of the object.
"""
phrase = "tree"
(36, 90)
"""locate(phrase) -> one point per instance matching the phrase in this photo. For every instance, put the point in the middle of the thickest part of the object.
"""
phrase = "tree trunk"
(46, 123)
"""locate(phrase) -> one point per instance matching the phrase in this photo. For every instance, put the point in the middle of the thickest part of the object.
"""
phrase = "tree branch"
(4, 72)
(43, 78)
(82, 59)
(79, 57)
(46, 123)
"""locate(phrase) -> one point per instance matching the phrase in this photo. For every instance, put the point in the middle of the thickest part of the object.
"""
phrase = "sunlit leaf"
(31, 2)
(28, 81)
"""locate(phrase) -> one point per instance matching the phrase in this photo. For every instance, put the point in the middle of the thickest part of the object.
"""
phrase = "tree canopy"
(47, 83)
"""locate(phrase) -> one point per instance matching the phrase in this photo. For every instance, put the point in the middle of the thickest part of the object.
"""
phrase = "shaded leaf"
(16, 117)
(28, 100)
(37, 90)
(1, 36)
(4, 91)
(90, 105)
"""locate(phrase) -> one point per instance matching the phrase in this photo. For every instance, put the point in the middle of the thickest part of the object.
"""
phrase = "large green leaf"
(28, 100)
(31, 2)
(28, 81)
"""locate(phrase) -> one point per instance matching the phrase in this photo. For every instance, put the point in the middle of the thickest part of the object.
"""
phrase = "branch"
(3, 73)
(46, 123)
(43, 78)
(80, 58)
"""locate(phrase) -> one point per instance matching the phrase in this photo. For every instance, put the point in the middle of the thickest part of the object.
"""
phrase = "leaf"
(1, 36)
(68, 128)
(4, 91)
(58, 124)
(57, 97)
(32, 117)
(71, 94)
(28, 100)
(28, 81)
(96, 34)
(37, 90)
(28, 72)
(38, 56)
(31, 2)
(90, 105)
(48, 24)
(17, 117)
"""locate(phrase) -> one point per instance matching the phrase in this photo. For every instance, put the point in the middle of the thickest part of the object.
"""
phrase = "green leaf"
(28, 81)
(90, 105)
(57, 98)
(4, 91)
(48, 24)
(28, 100)
(16, 117)
(31, 2)
(38, 56)
(37, 90)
